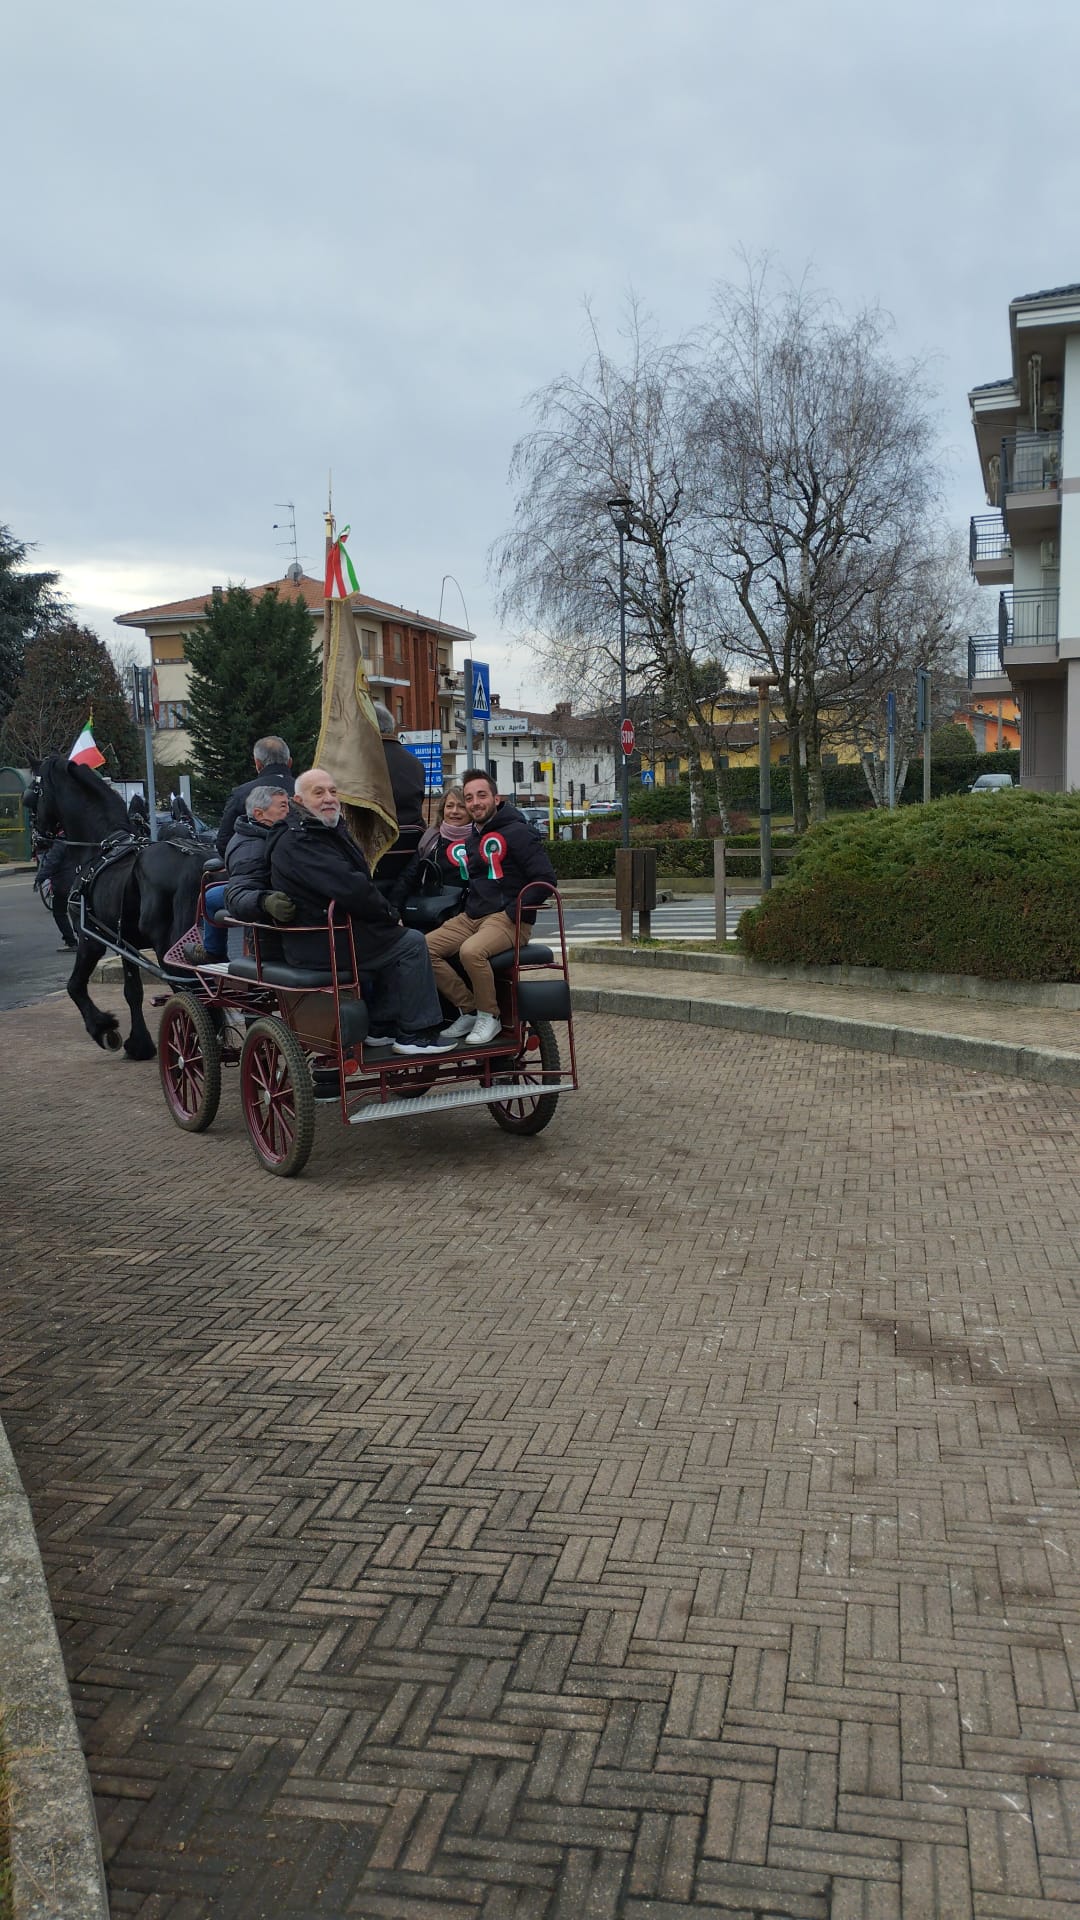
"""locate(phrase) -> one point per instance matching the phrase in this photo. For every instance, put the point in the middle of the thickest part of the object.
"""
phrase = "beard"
(331, 815)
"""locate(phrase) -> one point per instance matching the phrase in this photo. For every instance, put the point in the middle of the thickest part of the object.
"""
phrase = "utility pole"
(923, 718)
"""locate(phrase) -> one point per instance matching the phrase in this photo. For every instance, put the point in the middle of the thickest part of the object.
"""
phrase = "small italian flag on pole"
(339, 567)
(85, 751)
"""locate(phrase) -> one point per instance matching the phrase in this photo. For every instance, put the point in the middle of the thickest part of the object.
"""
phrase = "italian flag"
(338, 566)
(85, 750)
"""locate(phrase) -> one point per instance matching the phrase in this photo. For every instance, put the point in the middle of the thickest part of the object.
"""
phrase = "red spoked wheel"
(530, 1112)
(277, 1097)
(189, 1061)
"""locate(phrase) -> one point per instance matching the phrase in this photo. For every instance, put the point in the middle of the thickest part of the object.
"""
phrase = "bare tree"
(816, 476)
(616, 430)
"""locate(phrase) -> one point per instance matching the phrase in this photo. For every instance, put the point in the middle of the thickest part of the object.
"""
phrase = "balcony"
(1028, 481)
(985, 669)
(1028, 619)
(989, 550)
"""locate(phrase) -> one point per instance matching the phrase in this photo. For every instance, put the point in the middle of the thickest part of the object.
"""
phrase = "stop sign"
(626, 735)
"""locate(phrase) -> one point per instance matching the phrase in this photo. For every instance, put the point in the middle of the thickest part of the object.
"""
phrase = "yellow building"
(736, 724)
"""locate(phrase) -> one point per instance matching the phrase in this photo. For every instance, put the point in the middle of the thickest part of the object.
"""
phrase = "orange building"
(993, 721)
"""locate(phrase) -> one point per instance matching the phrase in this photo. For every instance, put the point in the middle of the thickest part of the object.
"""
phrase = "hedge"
(975, 884)
(845, 787)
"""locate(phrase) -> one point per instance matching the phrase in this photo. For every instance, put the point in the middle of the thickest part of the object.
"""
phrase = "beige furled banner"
(350, 744)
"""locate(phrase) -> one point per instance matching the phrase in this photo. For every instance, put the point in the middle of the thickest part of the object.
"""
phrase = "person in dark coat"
(434, 860)
(316, 861)
(504, 857)
(273, 768)
(409, 784)
(247, 894)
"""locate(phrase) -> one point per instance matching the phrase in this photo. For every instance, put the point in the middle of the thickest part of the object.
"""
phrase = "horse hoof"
(140, 1050)
(111, 1040)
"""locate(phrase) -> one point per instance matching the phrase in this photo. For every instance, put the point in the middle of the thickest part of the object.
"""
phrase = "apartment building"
(408, 658)
(1027, 432)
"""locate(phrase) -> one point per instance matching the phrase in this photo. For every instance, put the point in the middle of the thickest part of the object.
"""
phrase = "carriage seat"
(277, 974)
(533, 954)
(213, 864)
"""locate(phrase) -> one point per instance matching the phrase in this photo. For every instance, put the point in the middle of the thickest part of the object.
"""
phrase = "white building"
(1027, 431)
(581, 748)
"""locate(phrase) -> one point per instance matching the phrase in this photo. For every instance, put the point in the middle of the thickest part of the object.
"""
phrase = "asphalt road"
(31, 965)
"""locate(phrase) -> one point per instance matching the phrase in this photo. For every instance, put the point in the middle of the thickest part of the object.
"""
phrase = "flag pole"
(328, 604)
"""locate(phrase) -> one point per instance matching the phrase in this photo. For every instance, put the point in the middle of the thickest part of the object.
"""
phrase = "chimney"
(563, 709)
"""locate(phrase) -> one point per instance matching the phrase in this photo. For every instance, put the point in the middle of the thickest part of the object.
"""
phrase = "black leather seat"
(533, 954)
(276, 974)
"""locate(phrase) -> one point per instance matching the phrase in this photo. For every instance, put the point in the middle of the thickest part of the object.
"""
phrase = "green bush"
(975, 884)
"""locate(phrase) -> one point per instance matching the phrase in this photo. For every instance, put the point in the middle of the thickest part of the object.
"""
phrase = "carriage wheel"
(531, 1112)
(277, 1097)
(189, 1061)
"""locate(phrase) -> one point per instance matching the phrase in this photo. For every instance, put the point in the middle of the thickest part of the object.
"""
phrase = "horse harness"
(115, 847)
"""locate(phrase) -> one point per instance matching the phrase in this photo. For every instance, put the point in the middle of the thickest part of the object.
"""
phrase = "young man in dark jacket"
(504, 857)
(315, 861)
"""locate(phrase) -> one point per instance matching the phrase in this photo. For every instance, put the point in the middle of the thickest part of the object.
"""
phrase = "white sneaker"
(485, 1028)
(464, 1024)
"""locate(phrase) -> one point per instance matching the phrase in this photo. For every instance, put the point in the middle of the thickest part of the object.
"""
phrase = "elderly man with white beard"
(316, 860)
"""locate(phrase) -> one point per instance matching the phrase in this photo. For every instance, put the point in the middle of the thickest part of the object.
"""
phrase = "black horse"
(146, 896)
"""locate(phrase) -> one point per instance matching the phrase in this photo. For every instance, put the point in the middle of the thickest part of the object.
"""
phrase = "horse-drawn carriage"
(300, 1035)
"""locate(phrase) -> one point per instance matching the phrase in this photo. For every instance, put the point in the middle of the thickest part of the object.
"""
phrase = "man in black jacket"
(249, 893)
(273, 768)
(505, 856)
(315, 860)
(409, 784)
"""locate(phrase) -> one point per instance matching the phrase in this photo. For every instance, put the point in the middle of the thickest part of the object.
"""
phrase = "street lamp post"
(621, 511)
(764, 682)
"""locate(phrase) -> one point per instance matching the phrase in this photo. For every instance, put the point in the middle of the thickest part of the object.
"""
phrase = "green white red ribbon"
(338, 564)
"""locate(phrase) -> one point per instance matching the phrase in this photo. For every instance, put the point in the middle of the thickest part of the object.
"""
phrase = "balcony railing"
(984, 658)
(1027, 618)
(1030, 462)
(988, 539)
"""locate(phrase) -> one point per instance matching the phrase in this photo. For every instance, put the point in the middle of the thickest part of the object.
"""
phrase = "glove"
(279, 907)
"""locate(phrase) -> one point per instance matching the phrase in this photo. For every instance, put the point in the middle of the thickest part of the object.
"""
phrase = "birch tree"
(618, 429)
(816, 476)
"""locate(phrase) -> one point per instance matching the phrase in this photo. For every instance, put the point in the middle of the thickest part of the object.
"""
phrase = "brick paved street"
(672, 1516)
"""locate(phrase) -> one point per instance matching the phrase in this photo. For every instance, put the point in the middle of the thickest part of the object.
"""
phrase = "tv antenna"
(288, 527)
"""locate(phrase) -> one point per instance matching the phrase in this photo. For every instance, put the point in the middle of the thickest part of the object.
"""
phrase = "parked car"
(604, 809)
(992, 783)
(538, 820)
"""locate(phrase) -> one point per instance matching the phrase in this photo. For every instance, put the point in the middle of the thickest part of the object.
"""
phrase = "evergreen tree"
(253, 672)
(29, 604)
(69, 674)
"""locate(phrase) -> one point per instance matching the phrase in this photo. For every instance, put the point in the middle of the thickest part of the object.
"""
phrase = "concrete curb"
(1063, 995)
(56, 1867)
(1049, 1064)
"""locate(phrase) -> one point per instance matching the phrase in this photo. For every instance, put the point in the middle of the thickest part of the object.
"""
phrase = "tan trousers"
(474, 941)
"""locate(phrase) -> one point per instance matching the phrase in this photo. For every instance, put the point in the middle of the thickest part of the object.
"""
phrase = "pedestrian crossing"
(676, 920)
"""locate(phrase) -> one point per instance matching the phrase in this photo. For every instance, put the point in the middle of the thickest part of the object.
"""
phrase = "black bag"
(432, 902)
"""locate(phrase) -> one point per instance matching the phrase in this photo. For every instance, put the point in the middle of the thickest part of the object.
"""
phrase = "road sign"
(560, 749)
(481, 693)
(427, 748)
(627, 737)
(155, 697)
(648, 777)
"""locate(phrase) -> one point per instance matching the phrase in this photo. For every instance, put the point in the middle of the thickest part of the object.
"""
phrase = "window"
(493, 769)
(671, 771)
(173, 714)
(596, 773)
(398, 655)
(720, 762)
(431, 655)
(830, 759)
(538, 773)
(399, 712)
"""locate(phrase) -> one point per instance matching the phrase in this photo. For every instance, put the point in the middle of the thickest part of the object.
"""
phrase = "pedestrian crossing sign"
(481, 699)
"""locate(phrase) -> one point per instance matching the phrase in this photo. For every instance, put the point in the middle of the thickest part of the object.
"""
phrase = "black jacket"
(408, 781)
(233, 810)
(248, 860)
(315, 864)
(504, 856)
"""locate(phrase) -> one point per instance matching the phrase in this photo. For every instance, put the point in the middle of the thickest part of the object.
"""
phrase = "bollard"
(719, 855)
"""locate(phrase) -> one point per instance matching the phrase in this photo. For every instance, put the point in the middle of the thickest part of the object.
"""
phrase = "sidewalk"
(1008, 1029)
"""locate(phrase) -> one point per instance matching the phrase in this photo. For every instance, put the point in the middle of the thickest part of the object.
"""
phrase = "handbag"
(433, 901)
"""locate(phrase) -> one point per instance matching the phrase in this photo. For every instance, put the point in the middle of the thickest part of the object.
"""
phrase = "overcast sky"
(250, 242)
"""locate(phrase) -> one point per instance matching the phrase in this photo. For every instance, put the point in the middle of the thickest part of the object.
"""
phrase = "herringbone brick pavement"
(672, 1516)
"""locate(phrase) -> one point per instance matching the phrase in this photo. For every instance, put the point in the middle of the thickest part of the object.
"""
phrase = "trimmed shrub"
(976, 884)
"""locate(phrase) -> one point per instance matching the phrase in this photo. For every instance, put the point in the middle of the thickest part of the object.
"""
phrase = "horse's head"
(76, 801)
(48, 818)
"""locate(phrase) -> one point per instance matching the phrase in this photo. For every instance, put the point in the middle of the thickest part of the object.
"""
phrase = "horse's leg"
(103, 1028)
(138, 1045)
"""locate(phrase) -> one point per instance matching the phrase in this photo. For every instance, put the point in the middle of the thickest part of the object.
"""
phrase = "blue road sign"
(890, 713)
(648, 777)
(429, 753)
(481, 690)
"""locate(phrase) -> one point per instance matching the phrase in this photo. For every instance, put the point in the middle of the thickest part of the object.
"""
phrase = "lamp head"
(621, 510)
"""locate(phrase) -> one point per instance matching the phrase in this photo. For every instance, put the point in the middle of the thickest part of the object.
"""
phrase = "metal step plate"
(457, 1097)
